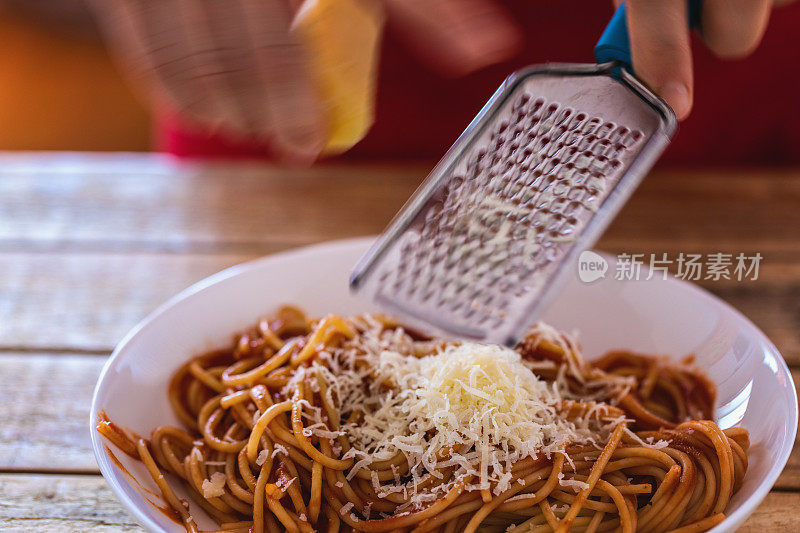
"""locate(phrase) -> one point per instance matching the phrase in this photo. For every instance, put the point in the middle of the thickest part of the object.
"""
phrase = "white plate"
(655, 316)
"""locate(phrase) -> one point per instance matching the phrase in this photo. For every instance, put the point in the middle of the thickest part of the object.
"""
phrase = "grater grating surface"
(487, 240)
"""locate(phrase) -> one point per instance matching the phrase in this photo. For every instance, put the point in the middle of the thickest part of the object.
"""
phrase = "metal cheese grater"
(488, 239)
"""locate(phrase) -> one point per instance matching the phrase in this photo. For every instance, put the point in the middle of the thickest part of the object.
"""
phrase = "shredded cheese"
(471, 408)
(575, 484)
(279, 448)
(478, 397)
(263, 455)
(283, 485)
(649, 443)
(214, 487)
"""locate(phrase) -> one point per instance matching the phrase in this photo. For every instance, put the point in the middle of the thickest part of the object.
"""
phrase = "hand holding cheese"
(342, 39)
(298, 76)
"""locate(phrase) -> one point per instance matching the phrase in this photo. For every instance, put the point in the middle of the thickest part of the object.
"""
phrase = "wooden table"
(89, 244)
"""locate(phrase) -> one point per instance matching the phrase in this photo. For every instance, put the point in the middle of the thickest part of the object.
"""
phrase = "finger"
(733, 28)
(147, 39)
(296, 118)
(230, 66)
(456, 36)
(214, 61)
(661, 51)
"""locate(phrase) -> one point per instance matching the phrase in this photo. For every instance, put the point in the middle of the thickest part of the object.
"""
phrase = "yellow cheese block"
(343, 40)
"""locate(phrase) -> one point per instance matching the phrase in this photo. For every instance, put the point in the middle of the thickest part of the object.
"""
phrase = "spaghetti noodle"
(357, 424)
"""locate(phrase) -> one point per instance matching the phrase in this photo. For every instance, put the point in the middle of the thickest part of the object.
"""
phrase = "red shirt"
(745, 112)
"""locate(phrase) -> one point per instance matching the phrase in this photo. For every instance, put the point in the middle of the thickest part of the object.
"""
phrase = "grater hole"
(506, 214)
(591, 126)
(619, 134)
(631, 139)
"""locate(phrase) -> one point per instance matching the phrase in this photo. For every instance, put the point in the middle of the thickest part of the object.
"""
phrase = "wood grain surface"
(47, 502)
(89, 244)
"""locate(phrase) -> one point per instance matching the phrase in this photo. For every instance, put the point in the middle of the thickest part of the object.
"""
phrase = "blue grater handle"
(614, 44)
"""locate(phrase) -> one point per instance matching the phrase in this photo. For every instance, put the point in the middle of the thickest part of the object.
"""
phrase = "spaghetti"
(357, 424)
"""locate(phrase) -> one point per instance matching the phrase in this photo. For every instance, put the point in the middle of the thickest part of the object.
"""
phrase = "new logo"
(591, 266)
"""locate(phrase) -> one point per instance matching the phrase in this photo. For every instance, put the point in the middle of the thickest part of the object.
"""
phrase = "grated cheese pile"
(477, 397)
(469, 408)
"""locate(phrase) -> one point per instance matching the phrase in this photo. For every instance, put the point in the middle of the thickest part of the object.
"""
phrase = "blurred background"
(60, 90)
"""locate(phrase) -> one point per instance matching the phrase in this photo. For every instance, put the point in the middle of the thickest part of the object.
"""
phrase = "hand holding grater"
(488, 239)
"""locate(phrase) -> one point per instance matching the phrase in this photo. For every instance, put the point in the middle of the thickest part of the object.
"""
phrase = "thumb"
(661, 50)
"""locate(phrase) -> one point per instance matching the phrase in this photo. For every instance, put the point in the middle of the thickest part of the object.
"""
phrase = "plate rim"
(104, 463)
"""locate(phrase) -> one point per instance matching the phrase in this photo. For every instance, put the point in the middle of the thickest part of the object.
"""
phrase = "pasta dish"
(359, 424)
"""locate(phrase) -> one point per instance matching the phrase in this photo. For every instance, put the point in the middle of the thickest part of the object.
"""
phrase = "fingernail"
(677, 96)
(300, 146)
(303, 137)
